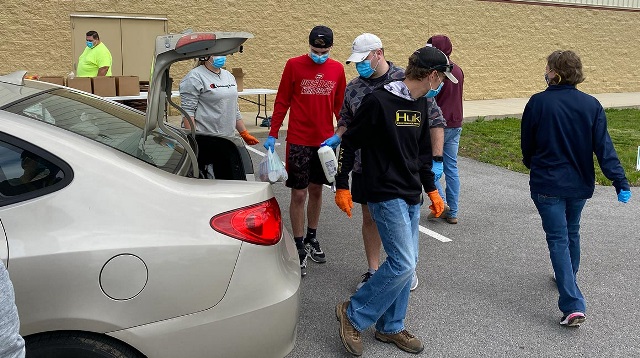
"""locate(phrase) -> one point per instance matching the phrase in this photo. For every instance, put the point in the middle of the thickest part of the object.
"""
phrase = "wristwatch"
(438, 158)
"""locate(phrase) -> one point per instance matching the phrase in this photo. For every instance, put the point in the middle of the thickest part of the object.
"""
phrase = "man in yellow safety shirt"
(95, 59)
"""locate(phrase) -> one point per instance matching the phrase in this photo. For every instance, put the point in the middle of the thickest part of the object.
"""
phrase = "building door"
(130, 39)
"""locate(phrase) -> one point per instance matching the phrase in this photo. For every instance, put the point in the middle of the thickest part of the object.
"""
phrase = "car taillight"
(196, 41)
(259, 224)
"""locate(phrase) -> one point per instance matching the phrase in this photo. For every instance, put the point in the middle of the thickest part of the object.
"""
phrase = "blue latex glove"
(270, 143)
(332, 142)
(624, 196)
(437, 168)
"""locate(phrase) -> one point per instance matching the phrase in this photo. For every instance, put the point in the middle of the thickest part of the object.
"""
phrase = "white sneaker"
(414, 281)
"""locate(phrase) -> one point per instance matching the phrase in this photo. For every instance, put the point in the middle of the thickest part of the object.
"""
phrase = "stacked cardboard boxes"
(104, 86)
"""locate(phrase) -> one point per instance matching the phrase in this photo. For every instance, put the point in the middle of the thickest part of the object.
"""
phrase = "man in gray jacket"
(11, 343)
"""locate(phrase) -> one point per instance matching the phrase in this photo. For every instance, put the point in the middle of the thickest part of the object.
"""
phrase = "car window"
(107, 123)
(23, 172)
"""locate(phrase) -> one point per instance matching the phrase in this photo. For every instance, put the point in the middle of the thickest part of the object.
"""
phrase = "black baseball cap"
(321, 37)
(433, 59)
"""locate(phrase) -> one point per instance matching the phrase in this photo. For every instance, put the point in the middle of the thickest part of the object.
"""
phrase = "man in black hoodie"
(391, 127)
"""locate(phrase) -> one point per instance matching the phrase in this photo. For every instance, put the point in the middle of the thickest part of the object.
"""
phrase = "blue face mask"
(219, 62)
(90, 44)
(364, 69)
(319, 59)
(434, 92)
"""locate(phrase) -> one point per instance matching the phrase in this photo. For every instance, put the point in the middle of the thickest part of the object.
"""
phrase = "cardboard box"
(104, 86)
(239, 75)
(127, 86)
(59, 80)
(81, 83)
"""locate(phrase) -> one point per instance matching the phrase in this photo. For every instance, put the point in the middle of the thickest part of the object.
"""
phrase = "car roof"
(11, 92)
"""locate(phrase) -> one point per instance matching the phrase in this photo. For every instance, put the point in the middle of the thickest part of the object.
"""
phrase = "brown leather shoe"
(451, 220)
(349, 335)
(403, 340)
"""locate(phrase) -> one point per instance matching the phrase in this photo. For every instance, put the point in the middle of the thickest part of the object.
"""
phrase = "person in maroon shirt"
(311, 89)
(450, 101)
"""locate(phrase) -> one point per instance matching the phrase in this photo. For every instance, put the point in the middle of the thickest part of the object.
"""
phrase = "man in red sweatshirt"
(312, 90)
(450, 101)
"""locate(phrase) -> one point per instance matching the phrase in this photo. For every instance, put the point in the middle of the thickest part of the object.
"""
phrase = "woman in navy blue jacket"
(561, 129)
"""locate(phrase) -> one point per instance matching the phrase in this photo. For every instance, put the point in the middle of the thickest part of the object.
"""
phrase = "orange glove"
(248, 138)
(437, 204)
(344, 201)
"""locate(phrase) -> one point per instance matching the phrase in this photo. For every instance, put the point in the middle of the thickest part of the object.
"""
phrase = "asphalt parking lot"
(488, 291)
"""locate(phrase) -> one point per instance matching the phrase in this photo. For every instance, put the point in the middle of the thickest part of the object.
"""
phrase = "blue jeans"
(561, 222)
(383, 299)
(450, 163)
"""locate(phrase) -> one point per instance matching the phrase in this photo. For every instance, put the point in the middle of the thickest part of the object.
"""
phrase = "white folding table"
(261, 102)
(244, 95)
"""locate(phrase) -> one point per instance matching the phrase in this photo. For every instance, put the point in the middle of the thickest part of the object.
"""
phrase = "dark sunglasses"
(443, 68)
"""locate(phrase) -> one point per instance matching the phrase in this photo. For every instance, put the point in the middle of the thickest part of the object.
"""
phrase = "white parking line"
(255, 151)
(422, 229)
(433, 234)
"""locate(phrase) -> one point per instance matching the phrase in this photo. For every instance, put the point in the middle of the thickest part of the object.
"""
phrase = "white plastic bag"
(271, 168)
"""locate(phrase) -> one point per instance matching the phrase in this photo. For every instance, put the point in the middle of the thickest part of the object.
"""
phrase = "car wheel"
(77, 345)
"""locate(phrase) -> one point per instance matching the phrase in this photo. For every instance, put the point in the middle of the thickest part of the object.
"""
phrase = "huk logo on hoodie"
(408, 118)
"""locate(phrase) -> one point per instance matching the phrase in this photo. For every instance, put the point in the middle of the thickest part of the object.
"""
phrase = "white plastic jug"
(329, 162)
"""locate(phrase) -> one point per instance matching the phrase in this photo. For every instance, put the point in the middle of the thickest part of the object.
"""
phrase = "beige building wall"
(501, 46)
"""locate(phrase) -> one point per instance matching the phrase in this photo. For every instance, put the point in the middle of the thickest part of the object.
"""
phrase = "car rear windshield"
(108, 123)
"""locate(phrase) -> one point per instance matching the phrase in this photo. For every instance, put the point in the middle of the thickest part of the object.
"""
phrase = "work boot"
(403, 340)
(348, 334)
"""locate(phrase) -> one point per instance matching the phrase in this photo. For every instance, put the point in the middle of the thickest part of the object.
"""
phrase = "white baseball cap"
(362, 45)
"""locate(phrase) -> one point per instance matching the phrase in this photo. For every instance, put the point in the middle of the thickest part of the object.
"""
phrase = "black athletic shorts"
(303, 167)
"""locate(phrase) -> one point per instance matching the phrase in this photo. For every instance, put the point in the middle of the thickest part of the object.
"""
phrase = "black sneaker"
(266, 122)
(303, 262)
(573, 320)
(302, 255)
(365, 277)
(315, 252)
